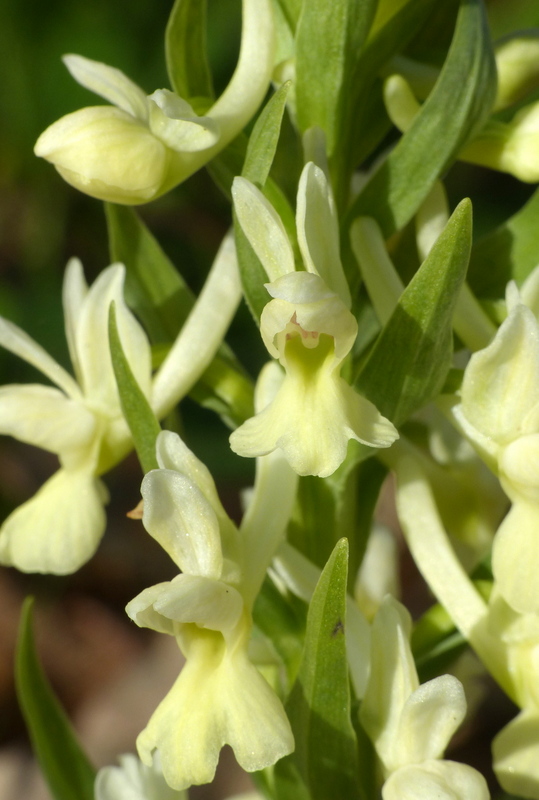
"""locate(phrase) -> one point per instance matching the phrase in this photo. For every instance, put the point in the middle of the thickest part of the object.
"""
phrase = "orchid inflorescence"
(396, 343)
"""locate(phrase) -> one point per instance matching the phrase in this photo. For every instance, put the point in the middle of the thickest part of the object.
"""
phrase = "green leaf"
(365, 121)
(186, 53)
(329, 38)
(65, 766)
(396, 190)
(510, 252)
(412, 356)
(153, 287)
(264, 138)
(258, 160)
(325, 761)
(137, 412)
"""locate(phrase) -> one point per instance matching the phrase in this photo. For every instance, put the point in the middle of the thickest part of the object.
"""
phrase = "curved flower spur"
(309, 328)
(142, 146)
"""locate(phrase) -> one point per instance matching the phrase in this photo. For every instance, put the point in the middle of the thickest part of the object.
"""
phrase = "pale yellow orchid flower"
(142, 146)
(411, 725)
(308, 327)
(80, 419)
(220, 697)
(499, 413)
(506, 640)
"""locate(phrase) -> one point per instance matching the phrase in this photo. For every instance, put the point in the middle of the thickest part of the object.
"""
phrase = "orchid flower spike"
(499, 413)
(411, 725)
(308, 327)
(219, 697)
(80, 420)
(142, 146)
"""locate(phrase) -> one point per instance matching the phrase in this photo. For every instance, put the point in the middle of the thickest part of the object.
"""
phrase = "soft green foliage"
(66, 768)
(325, 759)
(325, 64)
(410, 361)
(398, 188)
(142, 423)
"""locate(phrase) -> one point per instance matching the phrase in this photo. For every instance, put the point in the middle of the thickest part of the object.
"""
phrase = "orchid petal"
(59, 529)
(204, 601)
(429, 718)
(219, 698)
(263, 228)
(313, 306)
(45, 417)
(133, 780)
(74, 292)
(18, 342)
(106, 153)
(514, 752)
(175, 123)
(501, 382)
(174, 455)
(109, 83)
(242, 96)
(180, 518)
(393, 678)
(519, 467)
(141, 610)
(436, 780)
(311, 420)
(92, 341)
(515, 557)
(318, 231)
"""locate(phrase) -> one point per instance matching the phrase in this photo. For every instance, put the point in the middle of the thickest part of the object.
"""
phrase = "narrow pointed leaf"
(329, 37)
(397, 189)
(264, 138)
(142, 423)
(410, 360)
(325, 762)
(65, 766)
